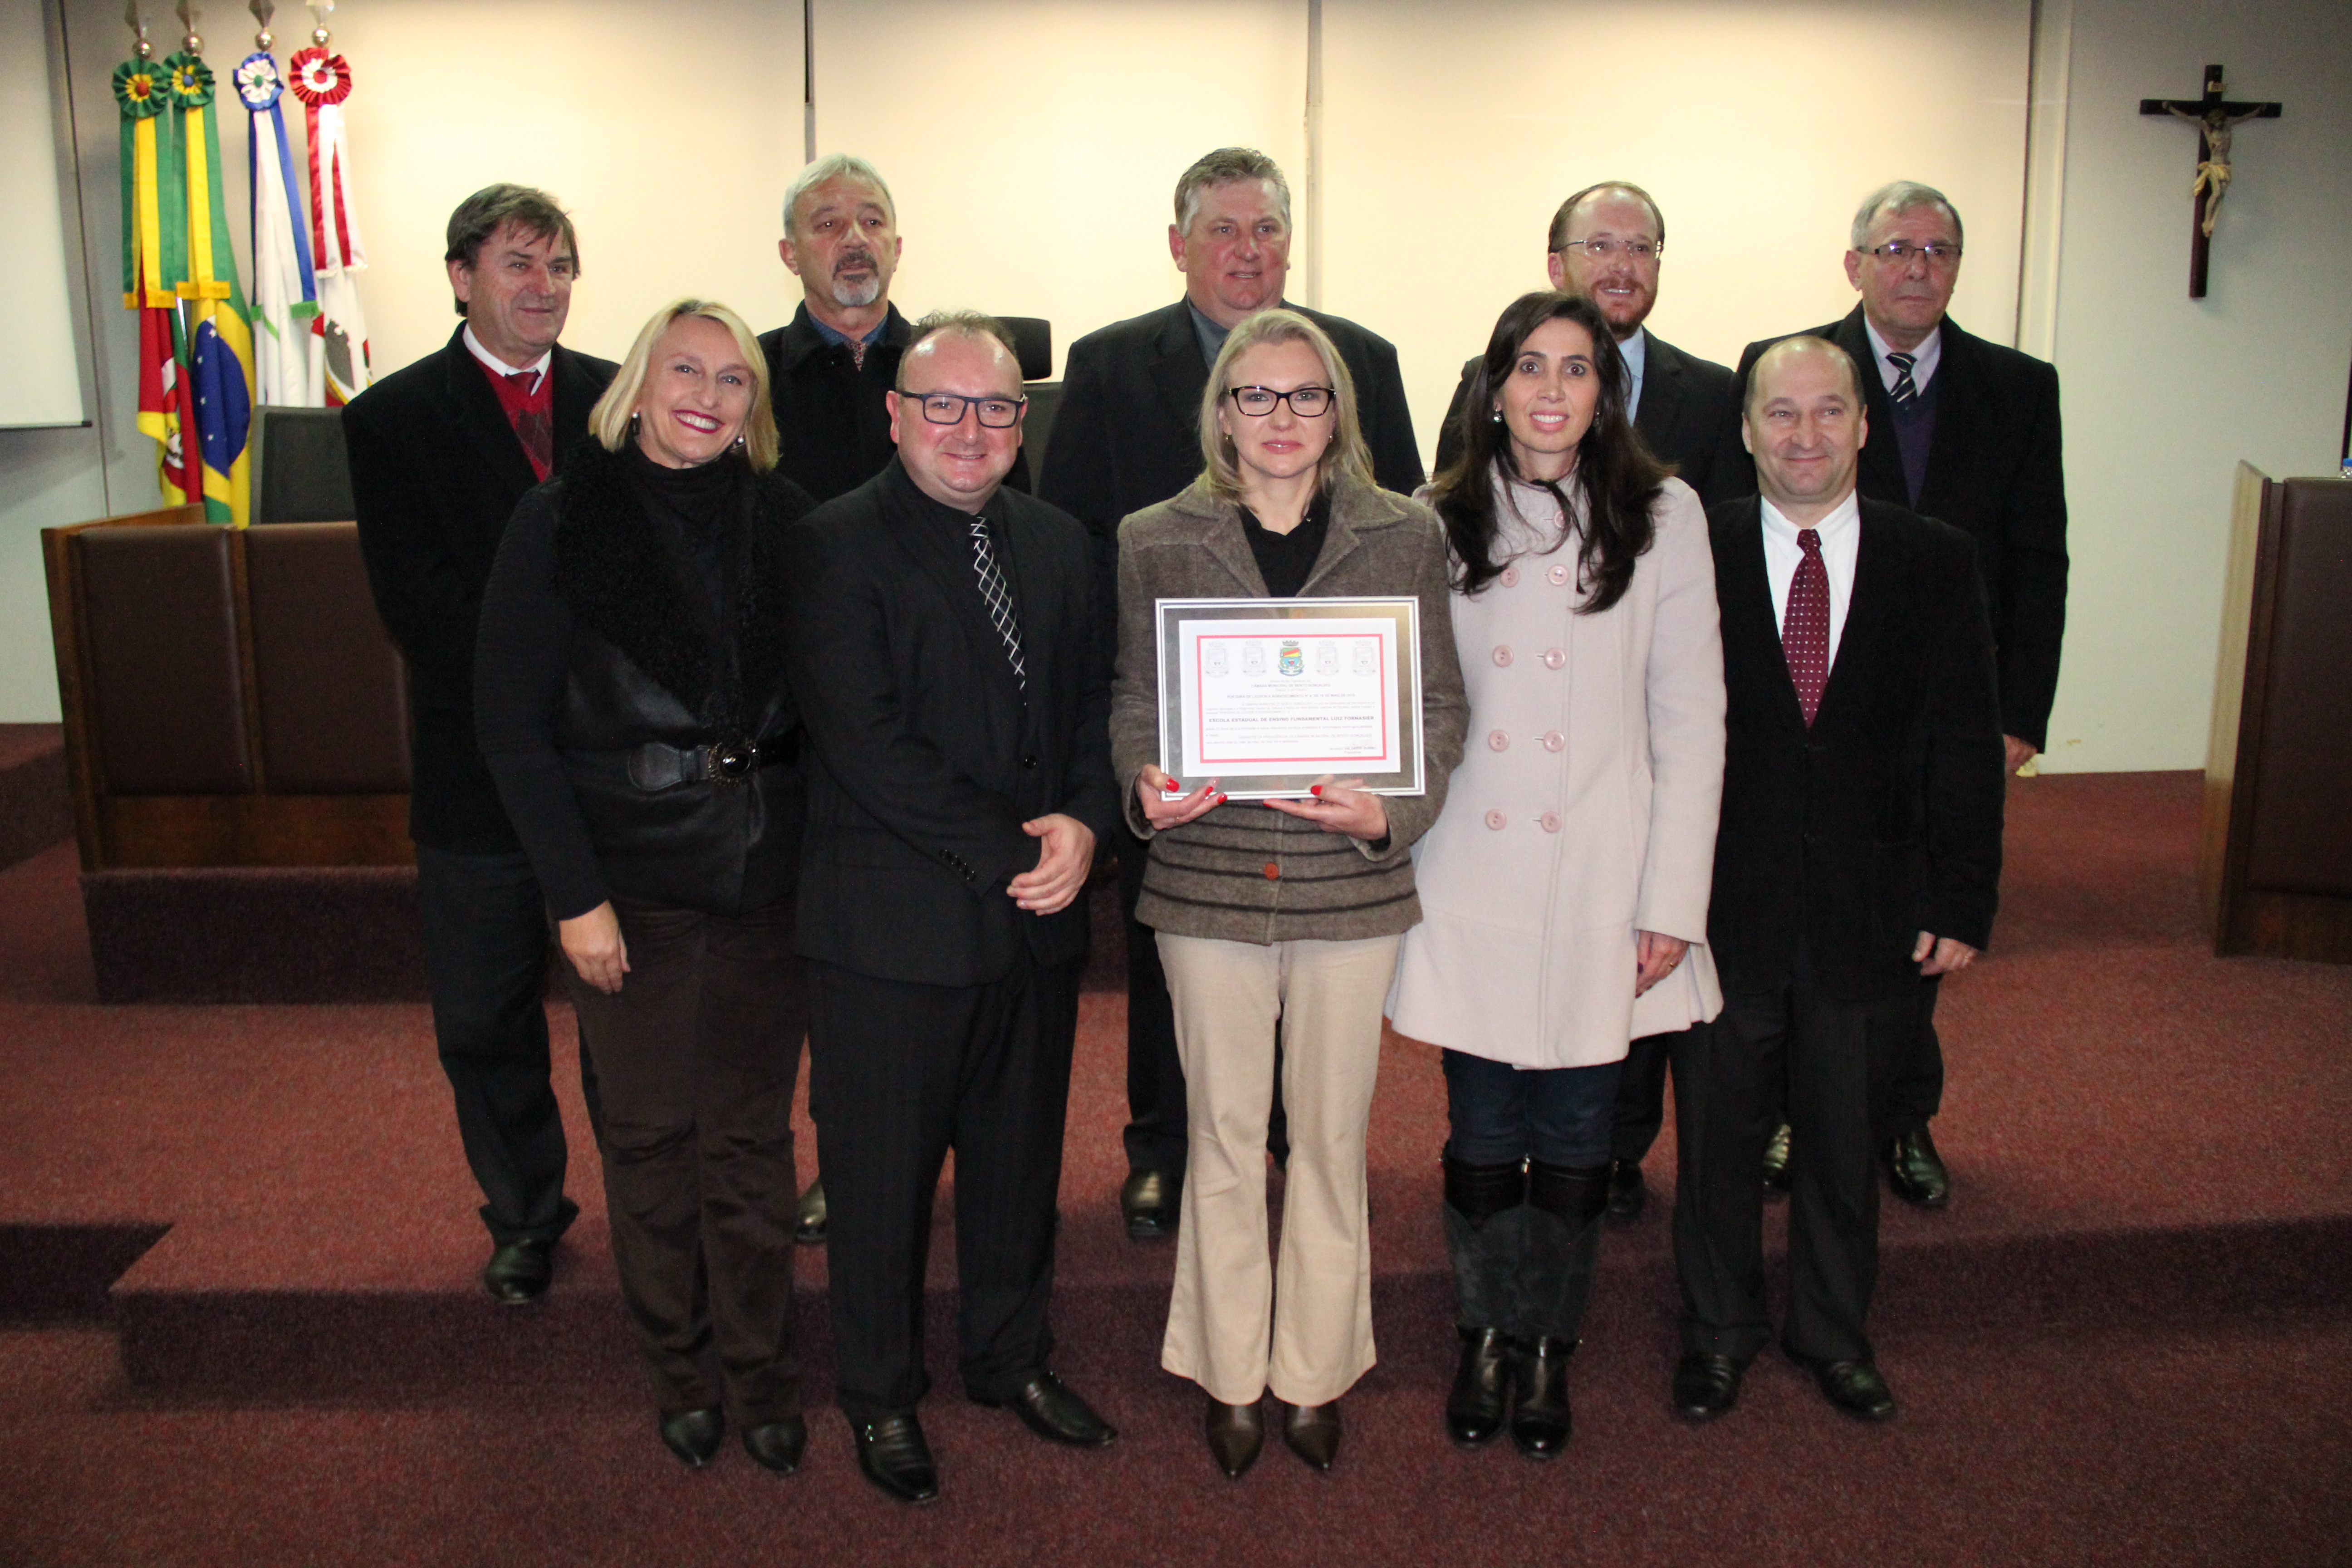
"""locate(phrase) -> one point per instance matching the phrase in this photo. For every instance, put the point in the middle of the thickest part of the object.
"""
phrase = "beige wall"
(2163, 394)
(1453, 132)
(1033, 146)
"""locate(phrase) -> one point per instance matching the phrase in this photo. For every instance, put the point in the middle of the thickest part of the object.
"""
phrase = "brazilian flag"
(216, 369)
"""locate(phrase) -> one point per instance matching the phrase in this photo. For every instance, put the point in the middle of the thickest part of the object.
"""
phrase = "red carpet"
(2124, 1342)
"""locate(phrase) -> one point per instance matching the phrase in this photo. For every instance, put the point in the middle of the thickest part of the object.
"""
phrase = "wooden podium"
(2274, 853)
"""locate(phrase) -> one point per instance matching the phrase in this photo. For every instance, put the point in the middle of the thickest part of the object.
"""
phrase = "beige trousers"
(1239, 1323)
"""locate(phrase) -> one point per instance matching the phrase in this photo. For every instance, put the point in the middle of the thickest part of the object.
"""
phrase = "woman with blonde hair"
(631, 705)
(1281, 913)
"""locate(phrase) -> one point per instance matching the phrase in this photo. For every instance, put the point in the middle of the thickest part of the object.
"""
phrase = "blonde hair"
(1345, 455)
(609, 420)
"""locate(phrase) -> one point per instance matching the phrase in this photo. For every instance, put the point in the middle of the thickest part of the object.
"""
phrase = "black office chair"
(1034, 338)
(299, 474)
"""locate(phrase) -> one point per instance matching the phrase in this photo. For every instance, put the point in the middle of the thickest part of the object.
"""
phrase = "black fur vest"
(680, 739)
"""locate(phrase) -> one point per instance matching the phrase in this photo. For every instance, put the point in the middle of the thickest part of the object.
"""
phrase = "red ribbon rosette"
(320, 78)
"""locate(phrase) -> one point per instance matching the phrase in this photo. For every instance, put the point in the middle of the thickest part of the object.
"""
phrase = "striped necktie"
(1907, 391)
(997, 597)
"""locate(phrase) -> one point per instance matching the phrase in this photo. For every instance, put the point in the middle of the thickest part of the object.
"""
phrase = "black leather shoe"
(1776, 1162)
(1915, 1170)
(1540, 1415)
(778, 1445)
(1313, 1433)
(1706, 1386)
(893, 1455)
(518, 1273)
(1147, 1201)
(1855, 1387)
(693, 1435)
(1482, 1388)
(1048, 1408)
(1627, 1192)
(809, 1225)
(1236, 1436)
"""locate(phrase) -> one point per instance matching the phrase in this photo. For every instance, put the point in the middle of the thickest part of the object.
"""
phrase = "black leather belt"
(657, 766)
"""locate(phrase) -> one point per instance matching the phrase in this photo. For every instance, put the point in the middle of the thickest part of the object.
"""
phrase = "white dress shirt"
(1924, 357)
(1841, 533)
(499, 367)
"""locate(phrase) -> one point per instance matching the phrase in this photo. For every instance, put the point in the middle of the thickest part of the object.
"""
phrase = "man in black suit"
(1128, 435)
(1975, 443)
(1606, 243)
(1858, 856)
(830, 367)
(440, 452)
(951, 676)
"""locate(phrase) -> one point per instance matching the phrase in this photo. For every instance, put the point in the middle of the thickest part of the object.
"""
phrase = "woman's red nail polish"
(1315, 790)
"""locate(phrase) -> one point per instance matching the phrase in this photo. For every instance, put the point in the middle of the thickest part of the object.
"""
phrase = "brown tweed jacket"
(1209, 877)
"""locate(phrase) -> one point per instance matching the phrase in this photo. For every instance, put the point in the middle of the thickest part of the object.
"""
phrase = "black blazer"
(435, 472)
(1690, 407)
(928, 755)
(1128, 435)
(1885, 819)
(1995, 472)
(832, 429)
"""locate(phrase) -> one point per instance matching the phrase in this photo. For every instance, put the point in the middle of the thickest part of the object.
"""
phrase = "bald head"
(1804, 422)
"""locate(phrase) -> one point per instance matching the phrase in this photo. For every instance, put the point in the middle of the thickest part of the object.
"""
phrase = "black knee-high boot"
(1563, 1244)
(1486, 1232)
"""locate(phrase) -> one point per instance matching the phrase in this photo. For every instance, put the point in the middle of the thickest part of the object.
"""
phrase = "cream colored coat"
(1585, 806)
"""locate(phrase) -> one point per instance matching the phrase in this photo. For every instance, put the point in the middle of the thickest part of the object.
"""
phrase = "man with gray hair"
(1128, 435)
(830, 366)
(1968, 433)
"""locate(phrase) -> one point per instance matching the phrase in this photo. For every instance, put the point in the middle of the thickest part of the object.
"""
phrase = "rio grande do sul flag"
(154, 249)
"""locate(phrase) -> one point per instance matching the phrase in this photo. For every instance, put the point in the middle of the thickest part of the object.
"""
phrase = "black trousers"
(1641, 1097)
(1837, 1058)
(485, 950)
(906, 1073)
(698, 1053)
(1157, 1135)
(1917, 1090)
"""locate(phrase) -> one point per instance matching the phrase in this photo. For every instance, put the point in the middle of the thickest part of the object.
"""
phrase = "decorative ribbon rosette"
(320, 78)
(257, 82)
(192, 79)
(140, 88)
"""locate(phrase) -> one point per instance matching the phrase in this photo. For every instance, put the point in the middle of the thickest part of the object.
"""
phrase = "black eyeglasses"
(1306, 402)
(1895, 250)
(1602, 249)
(947, 407)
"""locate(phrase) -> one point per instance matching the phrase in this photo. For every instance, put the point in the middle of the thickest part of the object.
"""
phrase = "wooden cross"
(2213, 116)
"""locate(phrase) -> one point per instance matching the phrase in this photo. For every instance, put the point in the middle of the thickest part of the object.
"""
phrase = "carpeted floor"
(2124, 1342)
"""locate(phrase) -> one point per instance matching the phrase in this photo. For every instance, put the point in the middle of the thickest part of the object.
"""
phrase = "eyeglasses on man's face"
(1935, 252)
(947, 407)
(1306, 402)
(1602, 249)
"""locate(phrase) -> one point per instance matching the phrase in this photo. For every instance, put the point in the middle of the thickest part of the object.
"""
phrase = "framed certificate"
(1270, 696)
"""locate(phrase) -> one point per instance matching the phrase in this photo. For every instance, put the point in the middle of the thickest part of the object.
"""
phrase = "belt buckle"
(731, 761)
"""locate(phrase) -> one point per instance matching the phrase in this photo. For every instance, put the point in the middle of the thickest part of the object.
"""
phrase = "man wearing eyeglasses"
(1606, 243)
(1966, 433)
(1128, 435)
(950, 673)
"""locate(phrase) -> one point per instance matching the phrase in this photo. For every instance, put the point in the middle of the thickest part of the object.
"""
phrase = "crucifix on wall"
(2215, 119)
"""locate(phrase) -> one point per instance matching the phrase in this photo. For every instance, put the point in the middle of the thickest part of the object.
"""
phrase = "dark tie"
(997, 597)
(534, 427)
(1805, 626)
(1907, 391)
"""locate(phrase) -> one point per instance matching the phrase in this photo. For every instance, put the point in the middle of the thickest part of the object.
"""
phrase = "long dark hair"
(1615, 472)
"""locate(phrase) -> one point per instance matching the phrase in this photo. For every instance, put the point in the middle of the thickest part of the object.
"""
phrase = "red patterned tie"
(1805, 626)
(534, 427)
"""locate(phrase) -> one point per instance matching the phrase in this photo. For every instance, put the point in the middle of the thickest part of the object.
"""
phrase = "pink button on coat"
(1525, 949)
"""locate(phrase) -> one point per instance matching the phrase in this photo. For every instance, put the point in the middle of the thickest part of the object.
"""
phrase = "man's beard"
(858, 293)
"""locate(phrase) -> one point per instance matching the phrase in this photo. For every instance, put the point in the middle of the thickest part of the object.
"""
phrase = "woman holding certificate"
(1281, 911)
(1565, 889)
